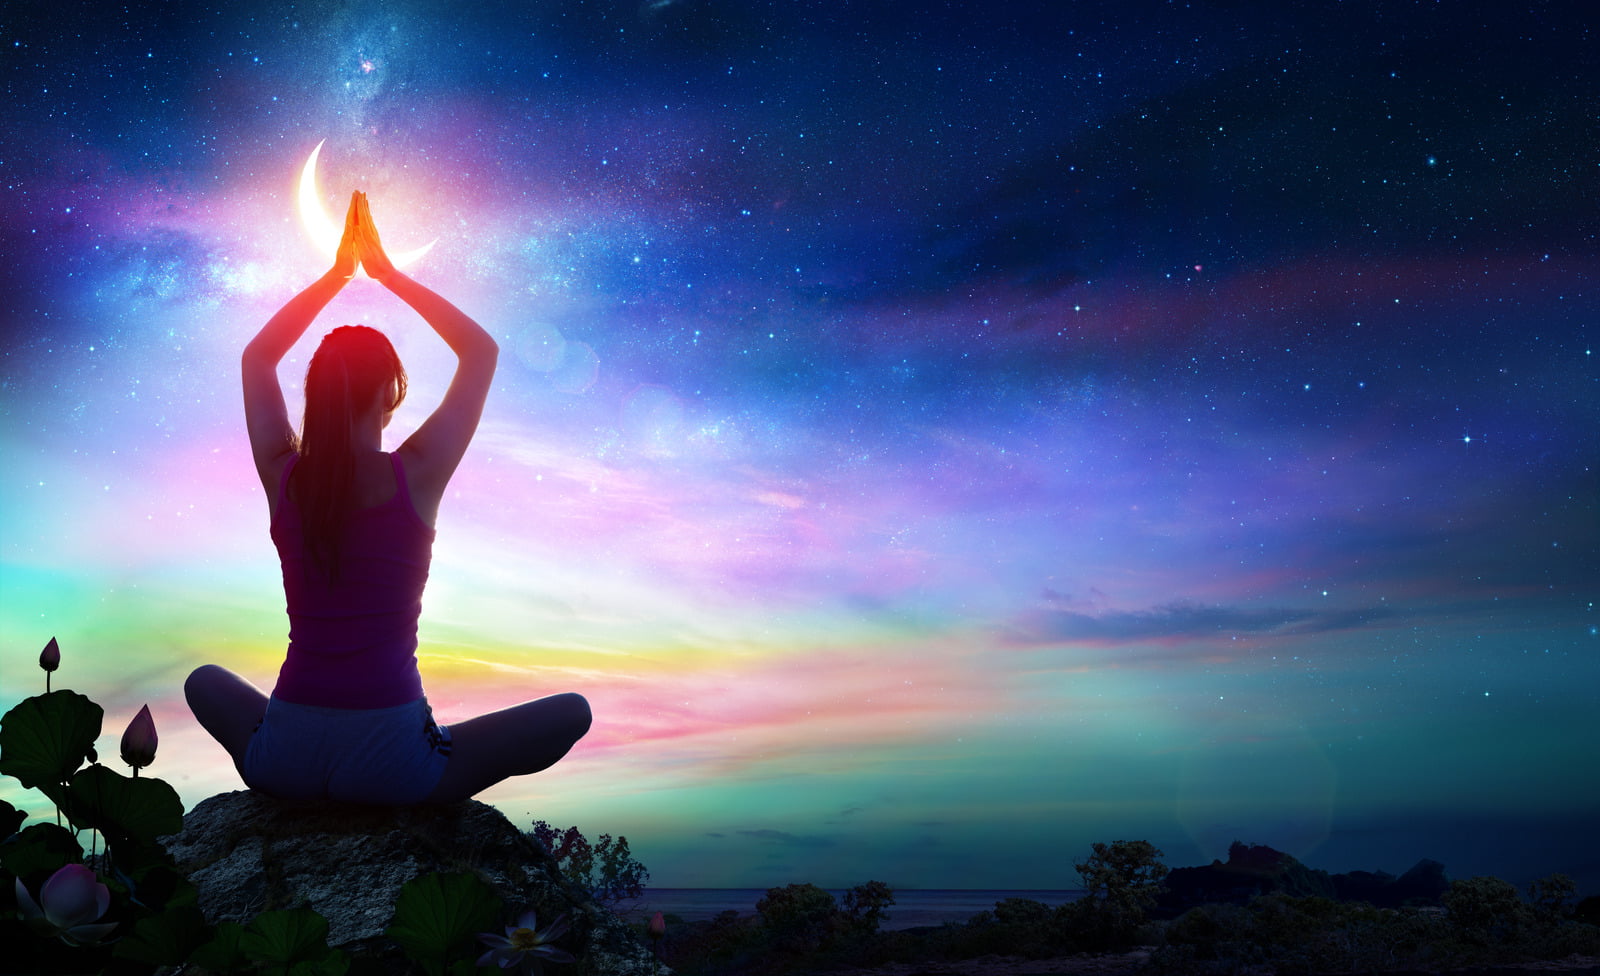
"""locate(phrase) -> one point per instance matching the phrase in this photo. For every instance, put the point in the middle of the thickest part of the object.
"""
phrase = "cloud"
(1061, 601)
(786, 839)
(1185, 621)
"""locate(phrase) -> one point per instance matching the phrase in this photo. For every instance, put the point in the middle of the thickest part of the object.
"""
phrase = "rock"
(1371, 887)
(1255, 869)
(248, 853)
(1251, 870)
(1424, 884)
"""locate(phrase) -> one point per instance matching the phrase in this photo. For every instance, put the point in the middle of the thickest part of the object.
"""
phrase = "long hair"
(351, 367)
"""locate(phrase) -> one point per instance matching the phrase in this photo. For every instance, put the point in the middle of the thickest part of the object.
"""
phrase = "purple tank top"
(353, 644)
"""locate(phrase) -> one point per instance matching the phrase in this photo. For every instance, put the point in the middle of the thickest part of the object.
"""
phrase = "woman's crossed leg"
(514, 741)
(227, 706)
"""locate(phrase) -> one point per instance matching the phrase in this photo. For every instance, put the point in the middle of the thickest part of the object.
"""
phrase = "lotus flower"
(658, 926)
(523, 943)
(139, 742)
(73, 898)
(49, 660)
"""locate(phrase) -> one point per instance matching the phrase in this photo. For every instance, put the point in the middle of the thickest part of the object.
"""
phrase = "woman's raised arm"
(435, 449)
(266, 416)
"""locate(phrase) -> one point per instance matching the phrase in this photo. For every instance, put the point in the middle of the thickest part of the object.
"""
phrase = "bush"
(1551, 894)
(1292, 936)
(1485, 910)
(799, 917)
(727, 944)
(798, 928)
(1121, 882)
(605, 869)
(864, 905)
(1209, 928)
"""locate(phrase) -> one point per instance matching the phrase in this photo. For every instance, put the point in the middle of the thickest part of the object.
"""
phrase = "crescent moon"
(321, 227)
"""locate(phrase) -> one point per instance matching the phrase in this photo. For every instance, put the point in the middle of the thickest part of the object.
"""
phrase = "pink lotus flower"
(658, 926)
(139, 742)
(50, 657)
(73, 898)
(523, 943)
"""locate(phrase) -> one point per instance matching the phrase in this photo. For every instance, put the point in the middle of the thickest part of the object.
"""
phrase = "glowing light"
(322, 228)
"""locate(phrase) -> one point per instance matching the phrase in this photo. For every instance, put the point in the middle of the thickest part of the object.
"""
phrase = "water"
(912, 907)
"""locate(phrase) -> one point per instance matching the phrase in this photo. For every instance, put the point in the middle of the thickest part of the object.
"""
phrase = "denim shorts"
(382, 756)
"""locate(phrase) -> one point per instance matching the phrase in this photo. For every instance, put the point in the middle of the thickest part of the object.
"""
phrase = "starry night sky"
(934, 440)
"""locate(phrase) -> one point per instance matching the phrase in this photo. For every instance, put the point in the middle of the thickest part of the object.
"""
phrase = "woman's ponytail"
(353, 364)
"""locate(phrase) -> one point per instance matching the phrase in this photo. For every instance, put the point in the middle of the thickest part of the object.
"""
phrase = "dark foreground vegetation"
(1264, 920)
(98, 892)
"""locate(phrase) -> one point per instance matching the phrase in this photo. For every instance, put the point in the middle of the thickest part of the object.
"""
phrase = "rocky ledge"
(248, 853)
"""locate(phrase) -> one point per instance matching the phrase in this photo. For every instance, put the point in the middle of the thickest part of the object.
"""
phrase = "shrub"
(1209, 928)
(1551, 894)
(1121, 881)
(865, 903)
(605, 869)
(1486, 909)
(798, 916)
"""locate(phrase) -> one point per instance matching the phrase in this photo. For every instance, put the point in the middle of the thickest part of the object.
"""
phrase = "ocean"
(911, 908)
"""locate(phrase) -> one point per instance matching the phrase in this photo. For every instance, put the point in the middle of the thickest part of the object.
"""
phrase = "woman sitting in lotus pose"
(353, 526)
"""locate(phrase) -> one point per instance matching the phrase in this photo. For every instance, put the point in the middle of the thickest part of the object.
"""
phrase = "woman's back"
(373, 482)
(353, 629)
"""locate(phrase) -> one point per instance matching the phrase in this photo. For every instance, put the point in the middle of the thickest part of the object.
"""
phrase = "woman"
(353, 526)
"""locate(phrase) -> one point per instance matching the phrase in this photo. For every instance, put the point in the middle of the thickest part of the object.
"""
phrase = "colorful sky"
(933, 440)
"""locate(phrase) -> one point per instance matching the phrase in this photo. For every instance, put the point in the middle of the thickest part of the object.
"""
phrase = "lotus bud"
(49, 660)
(658, 926)
(139, 742)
